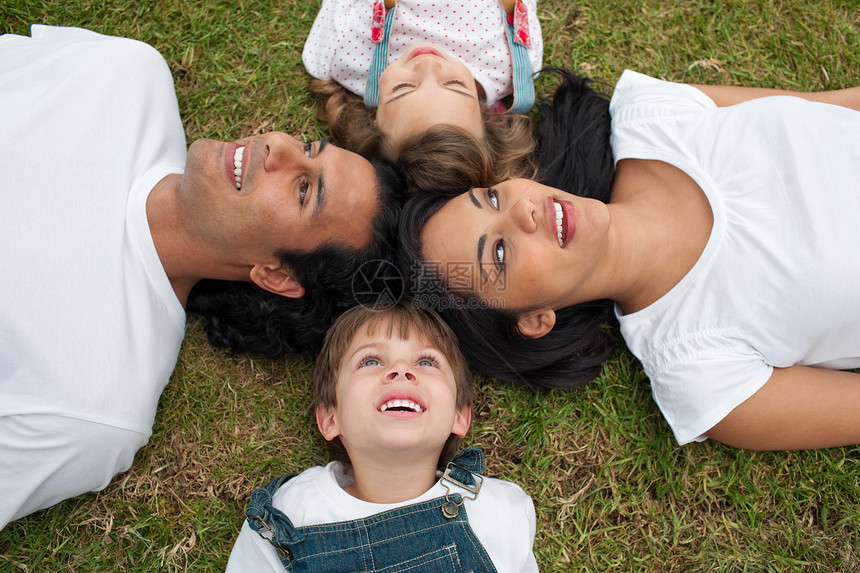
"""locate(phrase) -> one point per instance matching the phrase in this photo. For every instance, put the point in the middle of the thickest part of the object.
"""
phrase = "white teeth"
(559, 216)
(409, 404)
(237, 166)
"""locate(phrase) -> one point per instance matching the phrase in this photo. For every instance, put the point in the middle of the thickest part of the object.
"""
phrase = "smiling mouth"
(423, 51)
(401, 406)
(561, 231)
(237, 166)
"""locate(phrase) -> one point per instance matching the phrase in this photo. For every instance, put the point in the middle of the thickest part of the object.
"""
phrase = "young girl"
(725, 233)
(422, 83)
(393, 396)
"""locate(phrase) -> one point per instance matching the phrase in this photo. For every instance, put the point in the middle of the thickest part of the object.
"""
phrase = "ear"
(278, 280)
(462, 422)
(328, 426)
(537, 323)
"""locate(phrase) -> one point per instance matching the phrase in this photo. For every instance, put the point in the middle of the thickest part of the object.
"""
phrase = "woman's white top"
(778, 283)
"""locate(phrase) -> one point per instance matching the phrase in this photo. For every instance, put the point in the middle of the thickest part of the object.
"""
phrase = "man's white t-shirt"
(90, 325)
(777, 283)
(502, 517)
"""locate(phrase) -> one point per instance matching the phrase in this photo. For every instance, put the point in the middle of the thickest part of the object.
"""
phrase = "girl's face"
(426, 87)
(521, 244)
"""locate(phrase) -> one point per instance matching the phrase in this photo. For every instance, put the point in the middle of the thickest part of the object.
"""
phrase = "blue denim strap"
(469, 459)
(523, 80)
(269, 522)
(378, 62)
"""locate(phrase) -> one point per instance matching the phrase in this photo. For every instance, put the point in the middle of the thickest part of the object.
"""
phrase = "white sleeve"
(698, 392)
(530, 564)
(338, 21)
(45, 459)
(252, 553)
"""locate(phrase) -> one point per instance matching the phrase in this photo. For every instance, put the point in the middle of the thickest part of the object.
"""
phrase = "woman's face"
(426, 87)
(520, 243)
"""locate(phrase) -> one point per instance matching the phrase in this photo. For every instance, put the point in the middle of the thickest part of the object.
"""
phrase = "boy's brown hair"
(399, 320)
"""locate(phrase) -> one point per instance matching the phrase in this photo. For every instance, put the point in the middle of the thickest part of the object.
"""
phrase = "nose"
(400, 371)
(427, 66)
(522, 215)
(283, 151)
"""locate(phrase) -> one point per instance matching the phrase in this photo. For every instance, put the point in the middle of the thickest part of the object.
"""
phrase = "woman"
(727, 245)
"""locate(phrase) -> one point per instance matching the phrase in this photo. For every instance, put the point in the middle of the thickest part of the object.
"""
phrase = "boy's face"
(393, 395)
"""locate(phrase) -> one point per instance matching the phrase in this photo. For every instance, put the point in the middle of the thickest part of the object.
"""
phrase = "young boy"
(393, 397)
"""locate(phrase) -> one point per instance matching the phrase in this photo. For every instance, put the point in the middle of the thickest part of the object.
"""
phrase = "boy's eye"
(428, 361)
(369, 361)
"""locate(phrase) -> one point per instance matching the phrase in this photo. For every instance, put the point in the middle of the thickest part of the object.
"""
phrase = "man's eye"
(493, 197)
(303, 191)
(499, 251)
(309, 147)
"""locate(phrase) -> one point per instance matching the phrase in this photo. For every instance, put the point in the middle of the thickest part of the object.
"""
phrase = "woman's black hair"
(242, 317)
(573, 154)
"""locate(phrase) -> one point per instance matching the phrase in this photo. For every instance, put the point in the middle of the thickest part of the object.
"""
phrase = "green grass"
(611, 488)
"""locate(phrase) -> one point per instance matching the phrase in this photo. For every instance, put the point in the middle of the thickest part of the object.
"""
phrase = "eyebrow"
(474, 199)
(322, 192)
(482, 240)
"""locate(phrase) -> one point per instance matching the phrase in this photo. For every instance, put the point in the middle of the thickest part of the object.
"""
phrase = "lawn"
(611, 488)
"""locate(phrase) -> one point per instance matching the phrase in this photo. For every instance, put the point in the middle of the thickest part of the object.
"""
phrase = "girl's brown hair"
(445, 159)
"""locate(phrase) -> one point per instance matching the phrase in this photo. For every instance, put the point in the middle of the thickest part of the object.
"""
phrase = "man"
(106, 228)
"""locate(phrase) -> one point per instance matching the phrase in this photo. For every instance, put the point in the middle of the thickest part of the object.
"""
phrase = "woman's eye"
(493, 197)
(369, 361)
(499, 253)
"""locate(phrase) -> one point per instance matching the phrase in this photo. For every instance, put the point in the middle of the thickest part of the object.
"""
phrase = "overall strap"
(379, 61)
(519, 41)
(269, 522)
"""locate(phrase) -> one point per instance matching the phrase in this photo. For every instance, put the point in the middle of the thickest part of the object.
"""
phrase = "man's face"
(265, 194)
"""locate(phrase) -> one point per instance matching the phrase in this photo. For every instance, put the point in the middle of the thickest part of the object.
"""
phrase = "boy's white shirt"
(502, 518)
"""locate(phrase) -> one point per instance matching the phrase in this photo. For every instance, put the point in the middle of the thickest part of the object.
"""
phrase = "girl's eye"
(493, 197)
(400, 86)
(499, 253)
(458, 82)
(369, 361)
(428, 361)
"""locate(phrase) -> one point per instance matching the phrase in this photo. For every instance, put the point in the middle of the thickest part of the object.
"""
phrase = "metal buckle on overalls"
(283, 552)
(451, 508)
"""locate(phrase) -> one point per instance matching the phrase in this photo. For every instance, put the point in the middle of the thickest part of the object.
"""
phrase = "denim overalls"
(431, 536)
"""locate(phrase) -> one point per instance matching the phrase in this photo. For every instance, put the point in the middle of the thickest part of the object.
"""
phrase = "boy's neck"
(379, 481)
